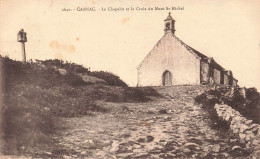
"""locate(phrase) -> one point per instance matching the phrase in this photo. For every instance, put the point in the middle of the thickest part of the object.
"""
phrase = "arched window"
(168, 25)
(167, 78)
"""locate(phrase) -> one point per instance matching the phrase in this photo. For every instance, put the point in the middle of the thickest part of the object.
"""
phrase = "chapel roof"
(202, 56)
(169, 17)
(192, 49)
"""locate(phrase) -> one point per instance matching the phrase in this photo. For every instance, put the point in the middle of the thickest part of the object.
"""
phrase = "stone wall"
(247, 131)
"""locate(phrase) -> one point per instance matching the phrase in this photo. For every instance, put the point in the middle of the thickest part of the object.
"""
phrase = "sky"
(117, 41)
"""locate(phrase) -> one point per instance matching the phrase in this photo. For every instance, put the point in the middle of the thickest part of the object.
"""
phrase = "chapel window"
(211, 71)
(168, 25)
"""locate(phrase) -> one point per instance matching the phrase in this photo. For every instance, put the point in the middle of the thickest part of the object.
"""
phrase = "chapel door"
(167, 78)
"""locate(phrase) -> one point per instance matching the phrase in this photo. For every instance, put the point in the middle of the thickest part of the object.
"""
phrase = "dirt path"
(171, 127)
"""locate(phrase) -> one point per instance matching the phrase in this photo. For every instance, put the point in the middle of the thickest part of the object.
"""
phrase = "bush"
(208, 100)
(148, 91)
(24, 126)
(253, 97)
(74, 80)
(200, 99)
(113, 97)
(252, 105)
(125, 94)
(82, 107)
(110, 78)
(247, 107)
(216, 93)
(134, 95)
(71, 67)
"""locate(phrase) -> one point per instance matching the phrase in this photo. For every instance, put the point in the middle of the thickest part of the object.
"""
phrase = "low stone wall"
(247, 131)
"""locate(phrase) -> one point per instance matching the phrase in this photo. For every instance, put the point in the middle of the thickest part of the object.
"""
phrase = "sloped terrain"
(169, 127)
(36, 95)
(55, 109)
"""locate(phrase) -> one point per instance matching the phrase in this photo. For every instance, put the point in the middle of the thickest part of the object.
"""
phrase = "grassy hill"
(36, 94)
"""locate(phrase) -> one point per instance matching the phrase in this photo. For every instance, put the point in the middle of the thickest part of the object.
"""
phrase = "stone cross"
(21, 37)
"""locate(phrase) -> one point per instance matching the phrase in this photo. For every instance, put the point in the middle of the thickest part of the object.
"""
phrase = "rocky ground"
(169, 127)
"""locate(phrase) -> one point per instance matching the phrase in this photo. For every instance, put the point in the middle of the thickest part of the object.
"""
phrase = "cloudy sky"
(117, 41)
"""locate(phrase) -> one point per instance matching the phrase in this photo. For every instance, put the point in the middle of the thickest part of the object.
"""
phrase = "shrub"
(216, 93)
(24, 126)
(200, 99)
(253, 97)
(74, 80)
(253, 105)
(148, 91)
(82, 107)
(127, 94)
(113, 97)
(71, 67)
(247, 107)
(110, 78)
(208, 99)
(134, 95)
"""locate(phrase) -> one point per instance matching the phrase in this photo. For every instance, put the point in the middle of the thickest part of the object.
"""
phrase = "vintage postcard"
(115, 79)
